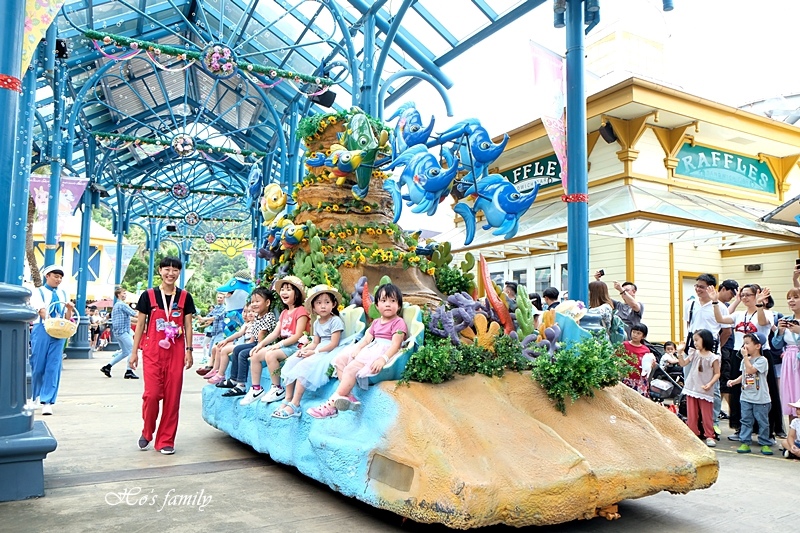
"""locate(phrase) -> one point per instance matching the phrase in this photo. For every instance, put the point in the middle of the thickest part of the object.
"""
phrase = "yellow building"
(101, 257)
(677, 185)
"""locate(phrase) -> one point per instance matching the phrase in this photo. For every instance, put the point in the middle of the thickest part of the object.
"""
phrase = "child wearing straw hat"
(308, 369)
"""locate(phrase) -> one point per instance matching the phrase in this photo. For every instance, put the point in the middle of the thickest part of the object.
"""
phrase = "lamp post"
(570, 14)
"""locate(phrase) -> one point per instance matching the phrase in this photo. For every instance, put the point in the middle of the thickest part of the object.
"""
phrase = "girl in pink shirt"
(367, 358)
(292, 326)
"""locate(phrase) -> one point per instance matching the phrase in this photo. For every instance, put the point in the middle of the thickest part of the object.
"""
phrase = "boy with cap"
(755, 398)
(47, 352)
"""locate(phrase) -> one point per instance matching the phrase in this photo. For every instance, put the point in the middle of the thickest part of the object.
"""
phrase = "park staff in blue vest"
(46, 351)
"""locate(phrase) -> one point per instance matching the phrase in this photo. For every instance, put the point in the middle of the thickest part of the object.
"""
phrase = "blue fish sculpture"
(502, 205)
(425, 180)
(409, 130)
(478, 152)
(254, 186)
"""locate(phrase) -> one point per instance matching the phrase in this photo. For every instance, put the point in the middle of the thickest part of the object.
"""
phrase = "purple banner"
(69, 196)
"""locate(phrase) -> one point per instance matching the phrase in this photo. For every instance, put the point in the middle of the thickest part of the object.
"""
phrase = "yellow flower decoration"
(358, 248)
(328, 208)
(349, 232)
(389, 231)
(370, 231)
(349, 264)
(367, 209)
(332, 120)
(332, 235)
(431, 271)
(342, 235)
(335, 207)
(328, 151)
(340, 249)
(379, 231)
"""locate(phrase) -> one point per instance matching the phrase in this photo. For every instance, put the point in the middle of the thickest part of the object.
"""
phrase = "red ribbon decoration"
(573, 198)
(10, 82)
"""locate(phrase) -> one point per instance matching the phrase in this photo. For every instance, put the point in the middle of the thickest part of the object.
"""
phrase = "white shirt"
(703, 316)
(41, 298)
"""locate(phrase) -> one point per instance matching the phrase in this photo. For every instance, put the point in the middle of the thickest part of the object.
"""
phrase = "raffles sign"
(709, 164)
(546, 171)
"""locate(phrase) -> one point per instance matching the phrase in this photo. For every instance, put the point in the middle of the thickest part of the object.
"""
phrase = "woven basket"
(61, 328)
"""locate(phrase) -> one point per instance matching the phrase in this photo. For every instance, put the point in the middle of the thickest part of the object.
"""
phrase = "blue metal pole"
(15, 261)
(78, 345)
(578, 178)
(368, 65)
(120, 227)
(51, 245)
(25, 443)
(11, 29)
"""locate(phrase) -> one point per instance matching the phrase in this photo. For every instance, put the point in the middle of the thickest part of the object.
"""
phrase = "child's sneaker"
(251, 396)
(711, 443)
(219, 378)
(274, 394)
(766, 450)
(348, 403)
(744, 448)
(326, 410)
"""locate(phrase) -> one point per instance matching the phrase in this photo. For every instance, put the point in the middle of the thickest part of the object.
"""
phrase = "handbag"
(59, 327)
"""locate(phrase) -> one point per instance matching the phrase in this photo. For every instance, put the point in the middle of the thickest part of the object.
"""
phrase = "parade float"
(493, 420)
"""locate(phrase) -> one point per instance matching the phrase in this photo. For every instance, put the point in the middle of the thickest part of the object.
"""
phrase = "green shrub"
(435, 362)
(581, 368)
(452, 280)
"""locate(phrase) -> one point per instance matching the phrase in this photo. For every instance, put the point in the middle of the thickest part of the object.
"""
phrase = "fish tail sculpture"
(465, 212)
(392, 187)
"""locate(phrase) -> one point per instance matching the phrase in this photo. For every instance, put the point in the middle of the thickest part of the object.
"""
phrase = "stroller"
(664, 386)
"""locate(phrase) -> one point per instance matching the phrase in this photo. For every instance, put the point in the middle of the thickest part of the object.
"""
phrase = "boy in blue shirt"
(755, 399)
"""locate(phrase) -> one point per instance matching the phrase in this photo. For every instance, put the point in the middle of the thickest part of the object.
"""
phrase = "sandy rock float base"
(478, 451)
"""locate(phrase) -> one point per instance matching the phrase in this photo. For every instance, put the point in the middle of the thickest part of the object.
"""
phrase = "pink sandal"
(326, 410)
(219, 378)
(211, 374)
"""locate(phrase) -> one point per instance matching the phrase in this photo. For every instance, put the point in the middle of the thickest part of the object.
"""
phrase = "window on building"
(544, 279)
(520, 276)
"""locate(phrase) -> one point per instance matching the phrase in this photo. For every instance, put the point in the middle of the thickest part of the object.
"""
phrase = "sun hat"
(52, 268)
(796, 404)
(294, 281)
(316, 290)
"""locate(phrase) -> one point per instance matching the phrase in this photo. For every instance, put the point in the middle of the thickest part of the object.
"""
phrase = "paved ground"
(97, 480)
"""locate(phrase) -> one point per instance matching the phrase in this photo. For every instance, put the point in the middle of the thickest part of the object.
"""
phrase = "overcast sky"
(731, 51)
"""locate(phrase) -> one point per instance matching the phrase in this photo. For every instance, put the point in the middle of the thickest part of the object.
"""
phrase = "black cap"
(730, 284)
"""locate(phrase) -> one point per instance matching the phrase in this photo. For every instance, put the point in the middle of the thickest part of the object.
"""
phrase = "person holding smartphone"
(787, 339)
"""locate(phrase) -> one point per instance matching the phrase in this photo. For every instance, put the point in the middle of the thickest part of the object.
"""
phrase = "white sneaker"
(251, 396)
(711, 443)
(274, 394)
(47, 409)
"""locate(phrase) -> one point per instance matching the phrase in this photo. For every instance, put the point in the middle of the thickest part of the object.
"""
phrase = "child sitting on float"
(308, 368)
(220, 353)
(355, 365)
(292, 325)
(263, 324)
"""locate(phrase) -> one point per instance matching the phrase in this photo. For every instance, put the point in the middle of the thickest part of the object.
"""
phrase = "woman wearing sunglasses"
(755, 318)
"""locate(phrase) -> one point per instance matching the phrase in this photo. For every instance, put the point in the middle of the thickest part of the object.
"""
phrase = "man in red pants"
(165, 316)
